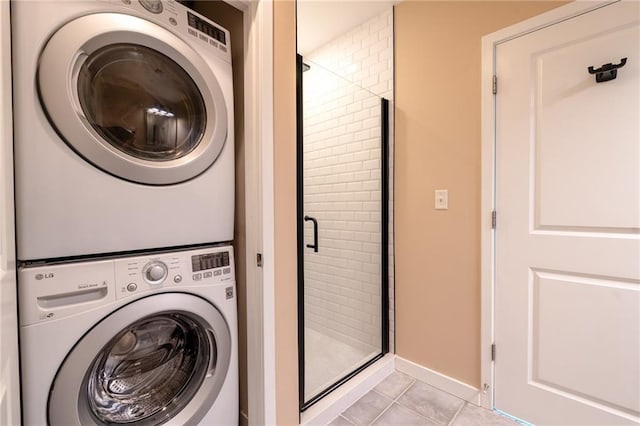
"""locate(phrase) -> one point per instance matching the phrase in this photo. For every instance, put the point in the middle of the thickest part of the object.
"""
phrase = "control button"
(172, 21)
(153, 6)
(203, 37)
(208, 274)
(192, 32)
(177, 279)
(226, 271)
(154, 272)
(126, 1)
(217, 272)
(229, 292)
(132, 287)
(213, 42)
(197, 277)
(223, 48)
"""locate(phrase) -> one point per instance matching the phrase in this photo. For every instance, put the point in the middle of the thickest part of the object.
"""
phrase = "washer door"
(132, 98)
(158, 359)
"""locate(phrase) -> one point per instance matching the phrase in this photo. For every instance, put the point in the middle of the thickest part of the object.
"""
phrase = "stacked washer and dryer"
(124, 160)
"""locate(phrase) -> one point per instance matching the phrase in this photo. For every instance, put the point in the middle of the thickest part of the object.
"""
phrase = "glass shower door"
(342, 229)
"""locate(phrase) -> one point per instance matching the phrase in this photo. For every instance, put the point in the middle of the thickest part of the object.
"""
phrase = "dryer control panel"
(177, 17)
(49, 292)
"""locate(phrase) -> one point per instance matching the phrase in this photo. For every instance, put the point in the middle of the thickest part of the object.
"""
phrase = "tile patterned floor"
(401, 400)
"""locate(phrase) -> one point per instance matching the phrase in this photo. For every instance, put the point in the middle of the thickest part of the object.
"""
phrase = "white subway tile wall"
(342, 178)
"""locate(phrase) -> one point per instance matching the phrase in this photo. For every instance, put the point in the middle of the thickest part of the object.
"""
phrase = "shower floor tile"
(328, 359)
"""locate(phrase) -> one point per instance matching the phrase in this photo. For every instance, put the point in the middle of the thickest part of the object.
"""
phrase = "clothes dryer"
(143, 340)
(123, 127)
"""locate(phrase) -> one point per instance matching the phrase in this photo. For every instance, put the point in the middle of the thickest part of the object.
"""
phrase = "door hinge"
(495, 84)
(259, 260)
(494, 219)
(493, 352)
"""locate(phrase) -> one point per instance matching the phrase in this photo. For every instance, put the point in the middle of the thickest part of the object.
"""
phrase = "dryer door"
(132, 98)
(158, 359)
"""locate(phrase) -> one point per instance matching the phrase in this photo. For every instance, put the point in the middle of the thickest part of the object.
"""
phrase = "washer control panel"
(51, 291)
(208, 266)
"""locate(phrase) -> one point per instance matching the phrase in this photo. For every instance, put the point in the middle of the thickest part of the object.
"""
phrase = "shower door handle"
(314, 246)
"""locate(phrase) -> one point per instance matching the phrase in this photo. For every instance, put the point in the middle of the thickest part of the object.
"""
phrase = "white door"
(567, 289)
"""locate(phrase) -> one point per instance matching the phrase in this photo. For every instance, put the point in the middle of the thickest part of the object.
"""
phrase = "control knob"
(154, 272)
(153, 6)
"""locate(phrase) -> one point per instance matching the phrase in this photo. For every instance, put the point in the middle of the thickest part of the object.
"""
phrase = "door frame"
(488, 174)
(303, 403)
(259, 214)
(9, 355)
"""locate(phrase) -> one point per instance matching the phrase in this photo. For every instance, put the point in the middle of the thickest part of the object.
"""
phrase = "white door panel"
(566, 102)
(567, 295)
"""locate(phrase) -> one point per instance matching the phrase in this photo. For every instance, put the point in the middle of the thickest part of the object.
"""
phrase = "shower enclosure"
(342, 229)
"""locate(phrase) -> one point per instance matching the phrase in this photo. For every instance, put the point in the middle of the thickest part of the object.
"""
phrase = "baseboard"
(440, 381)
(342, 398)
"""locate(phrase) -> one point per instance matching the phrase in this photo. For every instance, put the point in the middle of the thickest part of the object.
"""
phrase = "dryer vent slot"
(66, 299)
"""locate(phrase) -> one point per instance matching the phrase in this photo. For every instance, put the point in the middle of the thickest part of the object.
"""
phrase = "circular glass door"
(141, 102)
(158, 359)
(133, 99)
(149, 371)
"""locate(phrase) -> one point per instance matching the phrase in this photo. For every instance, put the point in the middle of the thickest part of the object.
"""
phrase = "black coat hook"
(607, 71)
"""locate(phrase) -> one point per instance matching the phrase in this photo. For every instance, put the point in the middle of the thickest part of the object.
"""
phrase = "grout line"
(383, 411)
(346, 419)
(409, 408)
(426, 417)
(457, 413)
(419, 414)
(406, 389)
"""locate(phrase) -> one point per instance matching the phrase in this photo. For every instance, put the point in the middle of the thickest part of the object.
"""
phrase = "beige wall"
(284, 109)
(438, 147)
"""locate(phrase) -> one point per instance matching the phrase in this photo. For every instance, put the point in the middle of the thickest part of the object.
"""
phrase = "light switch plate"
(442, 199)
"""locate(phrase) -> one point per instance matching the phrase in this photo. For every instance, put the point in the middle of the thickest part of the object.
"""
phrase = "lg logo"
(44, 276)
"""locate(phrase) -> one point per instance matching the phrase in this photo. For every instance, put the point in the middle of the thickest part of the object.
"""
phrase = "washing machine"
(123, 120)
(143, 340)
